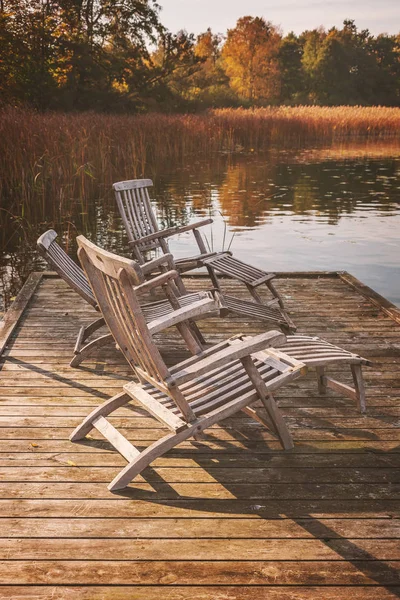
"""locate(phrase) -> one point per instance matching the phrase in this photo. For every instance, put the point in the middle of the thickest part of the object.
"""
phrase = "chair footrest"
(236, 269)
(252, 309)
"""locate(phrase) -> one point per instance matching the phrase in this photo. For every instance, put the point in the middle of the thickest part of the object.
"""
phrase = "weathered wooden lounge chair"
(196, 393)
(144, 236)
(194, 305)
(313, 351)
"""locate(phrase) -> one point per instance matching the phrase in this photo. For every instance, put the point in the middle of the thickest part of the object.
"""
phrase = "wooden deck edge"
(278, 274)
(17, 308)
(383, 303)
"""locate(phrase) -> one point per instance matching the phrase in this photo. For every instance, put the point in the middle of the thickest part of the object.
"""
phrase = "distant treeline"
(116, 56)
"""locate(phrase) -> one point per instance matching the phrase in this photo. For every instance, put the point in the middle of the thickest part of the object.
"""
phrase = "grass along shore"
(55, 158)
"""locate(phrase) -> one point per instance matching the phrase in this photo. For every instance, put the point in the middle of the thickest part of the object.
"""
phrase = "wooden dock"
(226, 518)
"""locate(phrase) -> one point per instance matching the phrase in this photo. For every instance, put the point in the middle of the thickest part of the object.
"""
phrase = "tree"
(69, 52)
(348, 66)
(291, 71)
(27, 50)
(174, 63)
(386, 52)
(209, 86)
(250, 56)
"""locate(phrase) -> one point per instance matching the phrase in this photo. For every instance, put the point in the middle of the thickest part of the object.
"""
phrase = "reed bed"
(52, 161)
(56, 169)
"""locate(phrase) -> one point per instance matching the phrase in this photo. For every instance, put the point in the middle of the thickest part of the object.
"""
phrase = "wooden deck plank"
(226, 518)
(197, 549)
(238, 572)
(192, 528)
(161, 508)
(196, 593)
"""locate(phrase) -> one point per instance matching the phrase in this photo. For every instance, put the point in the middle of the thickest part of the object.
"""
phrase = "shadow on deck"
(226, 518)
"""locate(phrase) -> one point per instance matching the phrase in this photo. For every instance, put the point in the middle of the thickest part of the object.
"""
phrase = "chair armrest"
(158, 281)
(163, 233)
(151, 265)
(205, 307)
(235, 351)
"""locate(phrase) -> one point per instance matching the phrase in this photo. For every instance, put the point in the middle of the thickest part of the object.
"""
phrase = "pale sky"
(379, 16)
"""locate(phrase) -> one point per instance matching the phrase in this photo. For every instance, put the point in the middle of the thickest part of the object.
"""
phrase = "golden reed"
(57, 158)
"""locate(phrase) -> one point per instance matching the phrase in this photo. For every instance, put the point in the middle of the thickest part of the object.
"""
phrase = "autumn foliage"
(116, 56)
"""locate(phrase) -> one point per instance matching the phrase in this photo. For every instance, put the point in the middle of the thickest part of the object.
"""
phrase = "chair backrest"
(67, 269)
(137, 214)
(113, 279)
(139, 219)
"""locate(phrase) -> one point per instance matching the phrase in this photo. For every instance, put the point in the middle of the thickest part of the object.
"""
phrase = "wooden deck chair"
(193, 305)
(144, 236)
(313, 351)
(196, 393)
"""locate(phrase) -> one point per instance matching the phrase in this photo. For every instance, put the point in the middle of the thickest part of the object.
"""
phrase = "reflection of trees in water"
(333, 189)
(248, 189)
(187, 192)
(244, 195)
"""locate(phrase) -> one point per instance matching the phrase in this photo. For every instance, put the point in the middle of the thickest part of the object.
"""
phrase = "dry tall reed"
(55, 159)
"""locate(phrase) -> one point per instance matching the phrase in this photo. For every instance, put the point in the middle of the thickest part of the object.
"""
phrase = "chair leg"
(278, 421)
(90, 348)
(138, 464)
(197, 333)
(100, 411)
(359, 385)
(290, 325)
(263, 419)
(274, 414)
(321, 380)
(86, 331)
(255, 294)
(275, 293)
(213, 277)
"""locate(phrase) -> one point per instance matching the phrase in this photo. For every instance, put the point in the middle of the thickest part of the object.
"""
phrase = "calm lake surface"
(325, 209)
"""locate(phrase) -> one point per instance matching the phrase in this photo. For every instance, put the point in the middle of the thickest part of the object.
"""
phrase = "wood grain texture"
(228, 517)
(15, 312)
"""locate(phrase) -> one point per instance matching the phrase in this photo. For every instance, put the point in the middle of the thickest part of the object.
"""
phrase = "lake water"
(325, 209)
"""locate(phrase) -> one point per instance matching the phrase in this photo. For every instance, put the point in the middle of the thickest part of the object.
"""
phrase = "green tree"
(311, 42)
(27, 50)
(292, 88)
(349, 66)
(173, 65)
(70, 52)
(209, 86)
(386, 85)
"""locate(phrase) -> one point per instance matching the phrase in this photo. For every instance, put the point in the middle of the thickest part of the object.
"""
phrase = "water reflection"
(305, 210)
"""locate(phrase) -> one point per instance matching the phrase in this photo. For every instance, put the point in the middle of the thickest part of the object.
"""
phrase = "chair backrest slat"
(63, 264)
(147, 210)
(135, 208)
(113, 280)
(134, 205)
